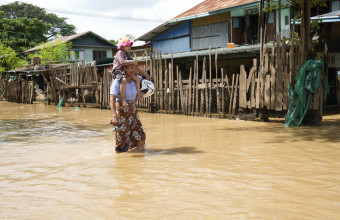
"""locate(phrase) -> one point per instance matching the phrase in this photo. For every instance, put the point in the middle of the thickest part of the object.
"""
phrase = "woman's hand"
(114, 121)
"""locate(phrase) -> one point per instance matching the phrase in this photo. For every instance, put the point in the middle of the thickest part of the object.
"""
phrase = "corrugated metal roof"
(328, 17)
(66, 39)
(334, 14)
(213, 5)
(206, 8)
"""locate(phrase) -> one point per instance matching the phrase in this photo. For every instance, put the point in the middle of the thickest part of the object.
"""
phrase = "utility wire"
(87, 14)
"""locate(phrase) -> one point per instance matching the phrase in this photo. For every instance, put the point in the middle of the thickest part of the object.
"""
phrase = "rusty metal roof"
(213, 5)
(203, 9)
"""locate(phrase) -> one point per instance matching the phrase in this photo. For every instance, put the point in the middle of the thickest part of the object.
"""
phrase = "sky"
(155, 11)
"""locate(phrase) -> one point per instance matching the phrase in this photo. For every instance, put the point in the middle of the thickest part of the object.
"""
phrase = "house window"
(77, 55)
(286, 20)
(236, 22)
(99, 54)
(335, 5)
(271, 18)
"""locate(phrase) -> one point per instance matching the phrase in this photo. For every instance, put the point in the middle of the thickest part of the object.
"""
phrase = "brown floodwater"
(60, 164)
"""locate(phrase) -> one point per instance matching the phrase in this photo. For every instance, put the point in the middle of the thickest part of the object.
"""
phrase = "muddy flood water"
(60, 164)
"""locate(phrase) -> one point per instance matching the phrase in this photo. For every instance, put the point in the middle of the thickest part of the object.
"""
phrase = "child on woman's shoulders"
(123, 56)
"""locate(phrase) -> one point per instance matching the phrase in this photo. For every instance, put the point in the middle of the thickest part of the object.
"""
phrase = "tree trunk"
(308, 37)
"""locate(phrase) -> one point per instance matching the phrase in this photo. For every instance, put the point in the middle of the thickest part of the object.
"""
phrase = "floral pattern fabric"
(132, 129)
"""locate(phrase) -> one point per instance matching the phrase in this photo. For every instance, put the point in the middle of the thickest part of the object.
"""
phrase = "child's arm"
(143, 73)
(122, 58)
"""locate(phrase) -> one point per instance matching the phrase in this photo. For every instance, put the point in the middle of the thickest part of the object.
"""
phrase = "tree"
(9, 59)
(54, 51)
(24, 26)
(115, 42)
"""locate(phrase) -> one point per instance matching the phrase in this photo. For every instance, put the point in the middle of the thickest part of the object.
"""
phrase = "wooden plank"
(285, 91)
(243, 89)
(283, 54)
(223, 95)
(267, 92)
(231, 95)
(266, 59)
(181, 94)
(235, 95)
(273, 80)
(207, 103)
(210, 84)
(252, 94)
(190, 93)
(217, 89)
(196, 79)
(251, 74)
(279, 77)
(172, 82)
(228, 87)
(161, 83)
(62, 81)
(204, 93)
(257, 92)
(167, 76)
(101, 92)
(177, 89)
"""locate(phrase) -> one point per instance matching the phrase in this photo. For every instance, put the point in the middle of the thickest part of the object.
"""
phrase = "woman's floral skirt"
(132, 129)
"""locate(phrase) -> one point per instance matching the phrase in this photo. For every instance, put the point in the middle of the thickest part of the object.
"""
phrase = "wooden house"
(86, 46)
(330, 34)
(213, 24)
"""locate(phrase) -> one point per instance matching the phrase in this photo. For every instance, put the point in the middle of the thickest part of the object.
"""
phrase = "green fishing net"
(307, 82)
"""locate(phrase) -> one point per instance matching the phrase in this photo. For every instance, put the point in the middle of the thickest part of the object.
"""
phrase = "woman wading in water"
(130, 134)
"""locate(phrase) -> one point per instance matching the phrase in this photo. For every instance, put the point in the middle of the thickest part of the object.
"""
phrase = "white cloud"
(113, 28)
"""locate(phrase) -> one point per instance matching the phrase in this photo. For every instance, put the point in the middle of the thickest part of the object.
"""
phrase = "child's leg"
(122, 91)
(137, 80)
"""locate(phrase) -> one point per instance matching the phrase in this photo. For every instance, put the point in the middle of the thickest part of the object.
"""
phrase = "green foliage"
(9, 59)
(23, 26)
(53, 51)
(129, 36)
(115, 42)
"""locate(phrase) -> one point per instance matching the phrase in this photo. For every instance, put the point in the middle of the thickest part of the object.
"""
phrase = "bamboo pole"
(235, 94)
(210, 84)
(190, 92)
(231, 94)
(197, 83)
(172, 81)
(217, 87)
(222, 95)
(160, 80)
(177, 89)
(206, 86)
(166, 85)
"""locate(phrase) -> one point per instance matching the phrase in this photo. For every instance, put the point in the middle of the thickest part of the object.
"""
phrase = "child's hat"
(124, 41)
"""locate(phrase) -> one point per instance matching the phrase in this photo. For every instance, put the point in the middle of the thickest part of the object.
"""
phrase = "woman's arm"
(143, 73)
(114, 119)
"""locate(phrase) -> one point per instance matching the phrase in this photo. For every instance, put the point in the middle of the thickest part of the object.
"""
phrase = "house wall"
(285, 22)
(211, 31)
(217, 18)
(238, 13)
(176, 39)
(88, 53)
